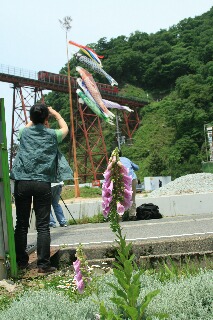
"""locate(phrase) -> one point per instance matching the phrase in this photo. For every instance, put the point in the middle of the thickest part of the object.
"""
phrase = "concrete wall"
(152, 183)
(188, 204)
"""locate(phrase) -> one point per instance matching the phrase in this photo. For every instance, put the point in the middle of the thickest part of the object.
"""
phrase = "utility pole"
(66, 25)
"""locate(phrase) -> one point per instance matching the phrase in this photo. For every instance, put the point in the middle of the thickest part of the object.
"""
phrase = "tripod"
(68, 209)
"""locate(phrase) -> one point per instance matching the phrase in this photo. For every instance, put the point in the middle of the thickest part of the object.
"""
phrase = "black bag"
(148, 211)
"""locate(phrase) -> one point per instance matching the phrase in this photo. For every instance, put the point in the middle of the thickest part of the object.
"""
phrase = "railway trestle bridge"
(28, 88)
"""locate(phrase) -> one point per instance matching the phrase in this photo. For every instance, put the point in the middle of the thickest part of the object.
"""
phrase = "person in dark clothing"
(34, 168)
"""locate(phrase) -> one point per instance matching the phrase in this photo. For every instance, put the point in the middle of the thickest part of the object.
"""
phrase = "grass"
(98, 218)
(68, 192)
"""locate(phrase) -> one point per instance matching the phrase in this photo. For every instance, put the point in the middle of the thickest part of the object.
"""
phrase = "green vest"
(38, 157)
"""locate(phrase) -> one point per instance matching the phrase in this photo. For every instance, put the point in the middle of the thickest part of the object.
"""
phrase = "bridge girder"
(91, 153)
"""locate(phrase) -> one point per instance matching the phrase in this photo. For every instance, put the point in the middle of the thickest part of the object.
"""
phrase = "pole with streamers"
(66, 25)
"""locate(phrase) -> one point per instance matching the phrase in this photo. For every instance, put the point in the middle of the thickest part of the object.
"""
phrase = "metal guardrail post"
(5, 197)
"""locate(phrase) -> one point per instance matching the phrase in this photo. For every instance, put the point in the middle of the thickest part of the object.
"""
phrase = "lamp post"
(66, 25)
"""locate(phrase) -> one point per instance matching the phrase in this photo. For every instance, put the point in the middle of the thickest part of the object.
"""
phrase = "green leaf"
(162, 315)
(132, 312)
(168, 270)
(119, 301)
(127, 249)
(103, 310)
(132, 257)
(118, 266)
(121, 258)
(128, 270)
(121, 278)
(107, 315)
(147, 300)
(136, 277)
(133, 293)
(119, 292)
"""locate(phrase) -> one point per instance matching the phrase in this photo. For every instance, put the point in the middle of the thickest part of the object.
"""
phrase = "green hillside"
(173, 69)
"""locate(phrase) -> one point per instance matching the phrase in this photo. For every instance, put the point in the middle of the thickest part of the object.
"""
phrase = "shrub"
(185, 298)
(182, 298)
(48, 305)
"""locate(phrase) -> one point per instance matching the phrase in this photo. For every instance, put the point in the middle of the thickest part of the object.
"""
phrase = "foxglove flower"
(117, 187)
(79, 282)
(81, 286)
(78, 276)
(120, 209)
(76, 265)
(107, 174)
(127, 203)
(106, 211)
(82, 272)
(127, 193)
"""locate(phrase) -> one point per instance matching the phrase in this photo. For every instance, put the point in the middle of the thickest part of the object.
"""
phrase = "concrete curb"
(145, 250)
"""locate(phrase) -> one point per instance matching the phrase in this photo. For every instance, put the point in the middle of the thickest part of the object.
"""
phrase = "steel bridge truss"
(91, 151)
(92, 154)
(23, 99)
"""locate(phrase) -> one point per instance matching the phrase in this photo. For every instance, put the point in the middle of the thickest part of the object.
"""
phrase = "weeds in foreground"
(98, 218)
(5, 299)
(170, 269)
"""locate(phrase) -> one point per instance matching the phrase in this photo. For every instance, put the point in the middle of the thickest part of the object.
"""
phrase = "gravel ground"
(189, 184)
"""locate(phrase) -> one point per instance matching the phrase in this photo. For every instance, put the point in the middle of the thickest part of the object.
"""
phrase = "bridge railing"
(19, 72)
(61, 79)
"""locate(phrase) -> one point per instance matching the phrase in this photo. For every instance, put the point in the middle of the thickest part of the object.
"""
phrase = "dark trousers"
(40, 193)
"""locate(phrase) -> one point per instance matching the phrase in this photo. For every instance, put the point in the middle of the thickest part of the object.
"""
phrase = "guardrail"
(19, 72)
(33, 75)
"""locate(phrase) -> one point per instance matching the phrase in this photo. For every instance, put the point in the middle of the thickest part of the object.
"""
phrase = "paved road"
(165, 228)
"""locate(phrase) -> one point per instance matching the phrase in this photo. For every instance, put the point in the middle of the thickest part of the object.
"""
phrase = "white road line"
(135, 239)
(127, 225)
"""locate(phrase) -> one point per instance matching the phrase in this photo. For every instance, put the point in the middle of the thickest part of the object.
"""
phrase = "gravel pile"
(189, 184)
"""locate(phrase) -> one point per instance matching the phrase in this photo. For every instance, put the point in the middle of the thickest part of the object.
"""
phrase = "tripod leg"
(67, 209)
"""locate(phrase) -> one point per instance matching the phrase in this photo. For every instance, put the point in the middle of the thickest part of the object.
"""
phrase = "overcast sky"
(31, 36)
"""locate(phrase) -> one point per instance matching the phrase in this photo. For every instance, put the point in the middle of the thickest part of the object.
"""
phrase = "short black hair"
(39, 113)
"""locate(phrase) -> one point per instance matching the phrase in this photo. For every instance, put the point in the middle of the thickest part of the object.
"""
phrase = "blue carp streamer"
(95, 67)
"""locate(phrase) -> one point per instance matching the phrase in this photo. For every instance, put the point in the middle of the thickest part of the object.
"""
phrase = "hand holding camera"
(54, 113)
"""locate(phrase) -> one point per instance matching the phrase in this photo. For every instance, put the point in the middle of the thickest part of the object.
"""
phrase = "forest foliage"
(173, 69)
